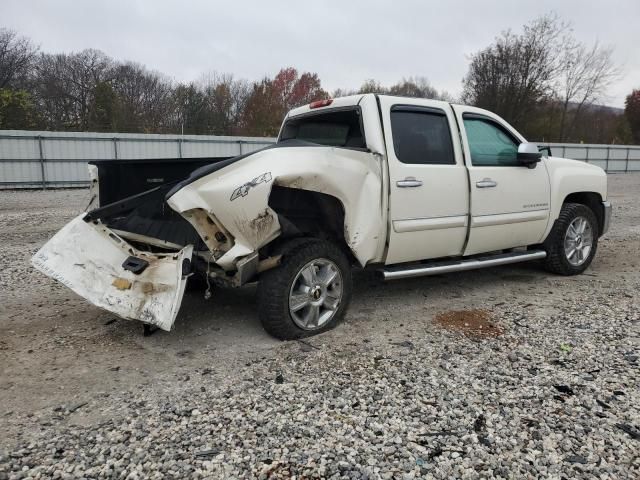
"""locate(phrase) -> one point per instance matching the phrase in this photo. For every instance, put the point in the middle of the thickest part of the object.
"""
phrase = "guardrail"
(58, 159)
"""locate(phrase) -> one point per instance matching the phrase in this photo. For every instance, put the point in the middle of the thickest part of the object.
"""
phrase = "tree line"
(547, 84)
(550, 86)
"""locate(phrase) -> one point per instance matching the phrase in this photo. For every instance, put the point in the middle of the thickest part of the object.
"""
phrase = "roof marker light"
(321, 103)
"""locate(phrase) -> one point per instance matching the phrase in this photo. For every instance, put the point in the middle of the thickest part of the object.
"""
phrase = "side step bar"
(437, 268)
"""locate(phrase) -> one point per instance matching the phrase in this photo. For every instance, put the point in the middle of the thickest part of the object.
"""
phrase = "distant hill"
(599, 108)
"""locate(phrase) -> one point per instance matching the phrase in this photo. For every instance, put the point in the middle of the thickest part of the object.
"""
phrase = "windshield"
(338, 128)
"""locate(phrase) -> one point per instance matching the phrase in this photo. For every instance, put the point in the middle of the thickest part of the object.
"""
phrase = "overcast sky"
(344, 41)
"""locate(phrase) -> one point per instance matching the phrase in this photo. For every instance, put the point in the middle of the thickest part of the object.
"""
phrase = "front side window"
(421, 136)
(490, 144)
(339, 128)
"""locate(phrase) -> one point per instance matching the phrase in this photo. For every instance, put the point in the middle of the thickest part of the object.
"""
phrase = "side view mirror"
(528, 154)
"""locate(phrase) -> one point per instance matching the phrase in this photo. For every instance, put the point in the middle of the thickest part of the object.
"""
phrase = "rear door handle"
(409, 182)
(486, 183)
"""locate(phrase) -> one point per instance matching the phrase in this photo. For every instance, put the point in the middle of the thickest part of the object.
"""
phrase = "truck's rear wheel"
(573, 242)
(308, 293)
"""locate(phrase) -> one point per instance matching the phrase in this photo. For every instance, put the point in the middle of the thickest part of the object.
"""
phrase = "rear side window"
(490, 144)
(422, 136)
(339, 128)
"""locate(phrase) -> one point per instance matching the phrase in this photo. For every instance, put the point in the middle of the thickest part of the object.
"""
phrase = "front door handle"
(486, 183)
(409, 182)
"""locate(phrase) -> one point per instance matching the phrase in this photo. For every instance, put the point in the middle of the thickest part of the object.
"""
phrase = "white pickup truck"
(406, 186)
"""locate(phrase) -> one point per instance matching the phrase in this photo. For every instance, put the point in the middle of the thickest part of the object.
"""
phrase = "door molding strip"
(433, 223)
(508, 218)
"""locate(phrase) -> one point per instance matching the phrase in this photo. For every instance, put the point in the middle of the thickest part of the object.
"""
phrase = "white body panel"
(430, 219)
(353, 177)
(88, 259)
(515, 211)
(571, 176)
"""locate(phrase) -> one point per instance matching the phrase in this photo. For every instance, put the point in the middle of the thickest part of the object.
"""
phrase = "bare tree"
(583, 77)
(514, 74)
(343, 92)
(16, 56)
(146, 98)
(226, 99)
(418, 87)
(542, 80)
(372, 86)
(190, 114)
(64, 87)
(632, 114)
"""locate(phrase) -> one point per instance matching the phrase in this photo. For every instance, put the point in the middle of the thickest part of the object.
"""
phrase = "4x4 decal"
(243, 190)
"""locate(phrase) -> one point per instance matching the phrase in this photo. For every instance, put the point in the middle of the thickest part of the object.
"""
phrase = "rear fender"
(237, 196)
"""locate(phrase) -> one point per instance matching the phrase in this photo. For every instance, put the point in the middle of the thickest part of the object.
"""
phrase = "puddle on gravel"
(472, 323)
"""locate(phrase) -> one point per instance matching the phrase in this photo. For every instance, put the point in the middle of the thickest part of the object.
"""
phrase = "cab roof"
(348, 101)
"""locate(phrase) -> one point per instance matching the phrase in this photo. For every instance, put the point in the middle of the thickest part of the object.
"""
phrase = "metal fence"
(58, 159)
(612, 158)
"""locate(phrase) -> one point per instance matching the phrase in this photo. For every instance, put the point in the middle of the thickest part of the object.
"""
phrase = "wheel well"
(593, 201)
(303, 213)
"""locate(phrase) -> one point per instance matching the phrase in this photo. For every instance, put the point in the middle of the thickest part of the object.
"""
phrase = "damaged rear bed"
(131, 256)
(151, 224)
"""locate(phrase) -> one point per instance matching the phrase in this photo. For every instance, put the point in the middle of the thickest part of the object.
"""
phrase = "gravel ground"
(507, 372)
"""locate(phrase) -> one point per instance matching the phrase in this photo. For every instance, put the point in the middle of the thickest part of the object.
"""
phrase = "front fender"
(572, 176)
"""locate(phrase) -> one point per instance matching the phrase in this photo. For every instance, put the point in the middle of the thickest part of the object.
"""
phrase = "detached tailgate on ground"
(88, 258)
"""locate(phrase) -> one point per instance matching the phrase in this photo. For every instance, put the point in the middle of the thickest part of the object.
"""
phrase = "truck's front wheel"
(573, 241)
(308, 293)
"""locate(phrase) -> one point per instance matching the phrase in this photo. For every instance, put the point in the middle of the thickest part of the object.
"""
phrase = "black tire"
(557, 261)
(275, 286)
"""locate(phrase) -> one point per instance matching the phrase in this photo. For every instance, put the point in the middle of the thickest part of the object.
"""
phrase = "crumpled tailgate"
(88, 258)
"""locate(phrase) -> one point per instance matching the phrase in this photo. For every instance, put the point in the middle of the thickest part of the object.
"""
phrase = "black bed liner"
(123, 178)
(132, 197)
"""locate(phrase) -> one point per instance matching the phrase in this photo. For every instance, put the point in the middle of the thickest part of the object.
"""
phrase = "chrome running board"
(437, 268)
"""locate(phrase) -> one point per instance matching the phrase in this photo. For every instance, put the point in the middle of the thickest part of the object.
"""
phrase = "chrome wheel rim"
(315, 294)
(578, 241)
